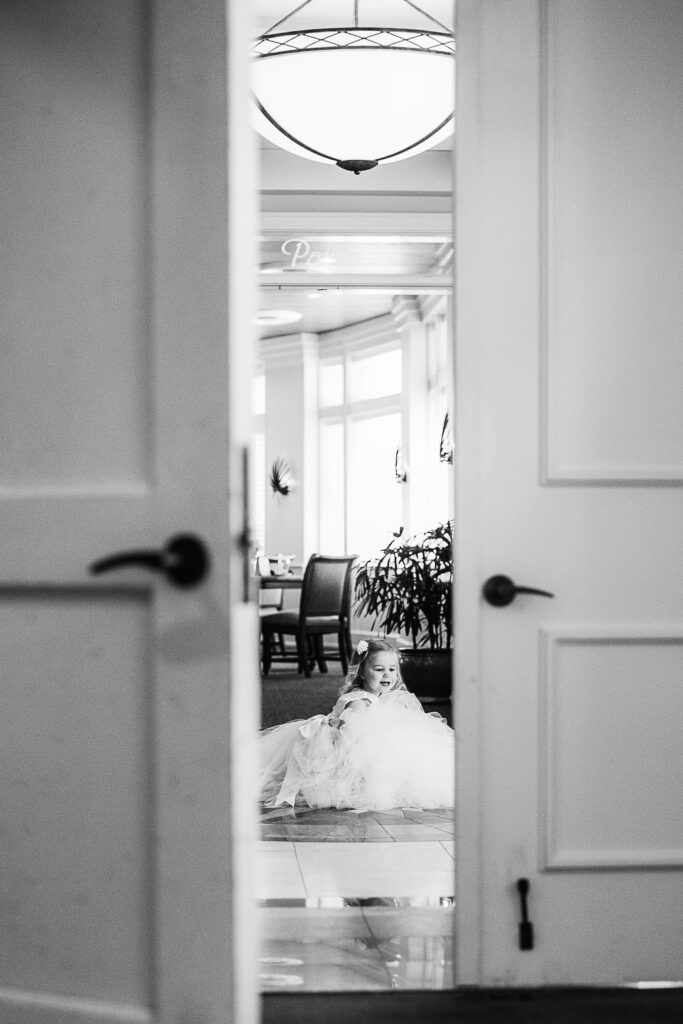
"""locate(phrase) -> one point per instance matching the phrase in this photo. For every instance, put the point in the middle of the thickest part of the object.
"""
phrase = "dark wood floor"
(475, 1006)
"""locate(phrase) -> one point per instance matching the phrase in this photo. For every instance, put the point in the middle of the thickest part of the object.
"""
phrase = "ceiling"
(337, 13)
(316, 264)
(320, 311)
(283, 257)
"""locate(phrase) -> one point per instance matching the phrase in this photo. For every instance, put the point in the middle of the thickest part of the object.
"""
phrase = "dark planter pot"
(427, 674)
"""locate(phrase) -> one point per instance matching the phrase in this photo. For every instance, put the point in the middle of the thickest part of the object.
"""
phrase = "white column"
(291, 429)
(406, 313)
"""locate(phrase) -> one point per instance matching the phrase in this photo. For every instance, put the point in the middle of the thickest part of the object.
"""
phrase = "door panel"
(588, 746)
(610, 249)
(125, 877)
(74, 151)
(569, 360)
(77, 809)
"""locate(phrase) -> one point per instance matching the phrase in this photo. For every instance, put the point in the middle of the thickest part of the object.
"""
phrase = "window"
(375, 376)
(331, 384)
(361, 428)
(374, 506)
(370, 404)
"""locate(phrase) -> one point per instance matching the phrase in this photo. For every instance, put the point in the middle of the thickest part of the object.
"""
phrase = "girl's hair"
(363, 650)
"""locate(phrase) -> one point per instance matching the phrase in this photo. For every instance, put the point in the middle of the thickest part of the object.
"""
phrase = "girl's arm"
(353, 707)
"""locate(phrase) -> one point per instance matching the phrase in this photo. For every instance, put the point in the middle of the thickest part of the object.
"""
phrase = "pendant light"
(354, 96)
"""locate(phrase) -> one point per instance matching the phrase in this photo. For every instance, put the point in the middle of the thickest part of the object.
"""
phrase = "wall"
(291, 369)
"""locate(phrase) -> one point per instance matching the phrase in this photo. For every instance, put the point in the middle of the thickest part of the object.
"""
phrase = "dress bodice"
(351, 701)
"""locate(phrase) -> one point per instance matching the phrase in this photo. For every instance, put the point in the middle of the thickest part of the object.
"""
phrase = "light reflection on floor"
(353, 901)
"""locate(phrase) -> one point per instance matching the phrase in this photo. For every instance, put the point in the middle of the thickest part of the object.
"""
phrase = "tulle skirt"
(388, 755)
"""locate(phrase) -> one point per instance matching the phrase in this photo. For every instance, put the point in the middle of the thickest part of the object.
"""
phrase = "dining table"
(286, 581)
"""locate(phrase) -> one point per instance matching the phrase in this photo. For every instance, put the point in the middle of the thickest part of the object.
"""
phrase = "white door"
(123, 757)
(570, 479)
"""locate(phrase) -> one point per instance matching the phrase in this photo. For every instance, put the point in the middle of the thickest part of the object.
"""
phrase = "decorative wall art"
(281, 478)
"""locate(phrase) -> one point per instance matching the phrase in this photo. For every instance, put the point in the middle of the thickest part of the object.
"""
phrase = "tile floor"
(352, 901)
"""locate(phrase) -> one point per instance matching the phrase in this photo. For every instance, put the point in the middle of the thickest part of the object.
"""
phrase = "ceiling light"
(354, 96)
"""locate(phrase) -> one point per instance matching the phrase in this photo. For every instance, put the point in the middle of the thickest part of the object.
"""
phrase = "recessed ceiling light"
(276, 317)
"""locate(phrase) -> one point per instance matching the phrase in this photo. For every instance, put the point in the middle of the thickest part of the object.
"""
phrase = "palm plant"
(407, 589)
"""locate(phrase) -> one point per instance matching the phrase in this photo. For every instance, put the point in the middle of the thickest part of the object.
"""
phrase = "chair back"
(326, 587)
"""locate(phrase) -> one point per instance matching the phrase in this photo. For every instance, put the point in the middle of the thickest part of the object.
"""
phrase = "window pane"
(331, 385)
(375, 502)
(331, 523)
(376, 376)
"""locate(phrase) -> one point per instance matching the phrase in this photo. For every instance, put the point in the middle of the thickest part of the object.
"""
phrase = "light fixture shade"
(355, 97)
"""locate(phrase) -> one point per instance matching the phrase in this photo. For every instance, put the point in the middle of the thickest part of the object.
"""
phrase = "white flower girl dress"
(373, 752)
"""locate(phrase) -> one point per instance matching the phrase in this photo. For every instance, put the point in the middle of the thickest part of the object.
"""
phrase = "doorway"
(350, 901)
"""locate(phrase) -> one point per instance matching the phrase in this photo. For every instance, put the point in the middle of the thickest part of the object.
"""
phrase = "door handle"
(501, 591)
(184, 560)
(526, 928)
(245, 539)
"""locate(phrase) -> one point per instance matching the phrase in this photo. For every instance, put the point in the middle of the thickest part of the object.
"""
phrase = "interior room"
(228, 370)
(351, 403)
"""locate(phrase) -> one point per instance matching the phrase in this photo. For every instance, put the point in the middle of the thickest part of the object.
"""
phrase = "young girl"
(378, 748)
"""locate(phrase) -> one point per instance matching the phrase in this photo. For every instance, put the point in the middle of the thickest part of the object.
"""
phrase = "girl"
(377, 749)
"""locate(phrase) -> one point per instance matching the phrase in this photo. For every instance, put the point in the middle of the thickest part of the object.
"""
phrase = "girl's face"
(380, 672)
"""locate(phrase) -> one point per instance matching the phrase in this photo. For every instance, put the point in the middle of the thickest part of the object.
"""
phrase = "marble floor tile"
(376, 869)
(394, 814)
(278, 832)
(350, 951)
(438, 815)
(319, 966)
(449, 847)
(326, 817)
(349, 825)
(413, 831)
(420, 922)
(421, 974)
(446, 826)
(359, 832)
(365, 948)
(324, 924)
(447, 829)
(277, 872)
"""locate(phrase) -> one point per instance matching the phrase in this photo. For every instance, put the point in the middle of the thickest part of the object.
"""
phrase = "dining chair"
(270, 602)
(324, 609)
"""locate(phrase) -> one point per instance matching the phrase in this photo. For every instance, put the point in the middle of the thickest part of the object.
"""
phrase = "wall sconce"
(281, 478)
(446, 443)
(400, 472)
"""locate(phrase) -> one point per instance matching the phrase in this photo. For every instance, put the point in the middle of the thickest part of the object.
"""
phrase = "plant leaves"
(407, 588)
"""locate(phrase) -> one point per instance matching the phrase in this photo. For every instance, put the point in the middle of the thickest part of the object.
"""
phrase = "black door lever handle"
(184, 560)
(526, 928)
(501, 591)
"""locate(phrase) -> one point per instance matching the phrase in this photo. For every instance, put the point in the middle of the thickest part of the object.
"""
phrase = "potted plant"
(407, 591)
